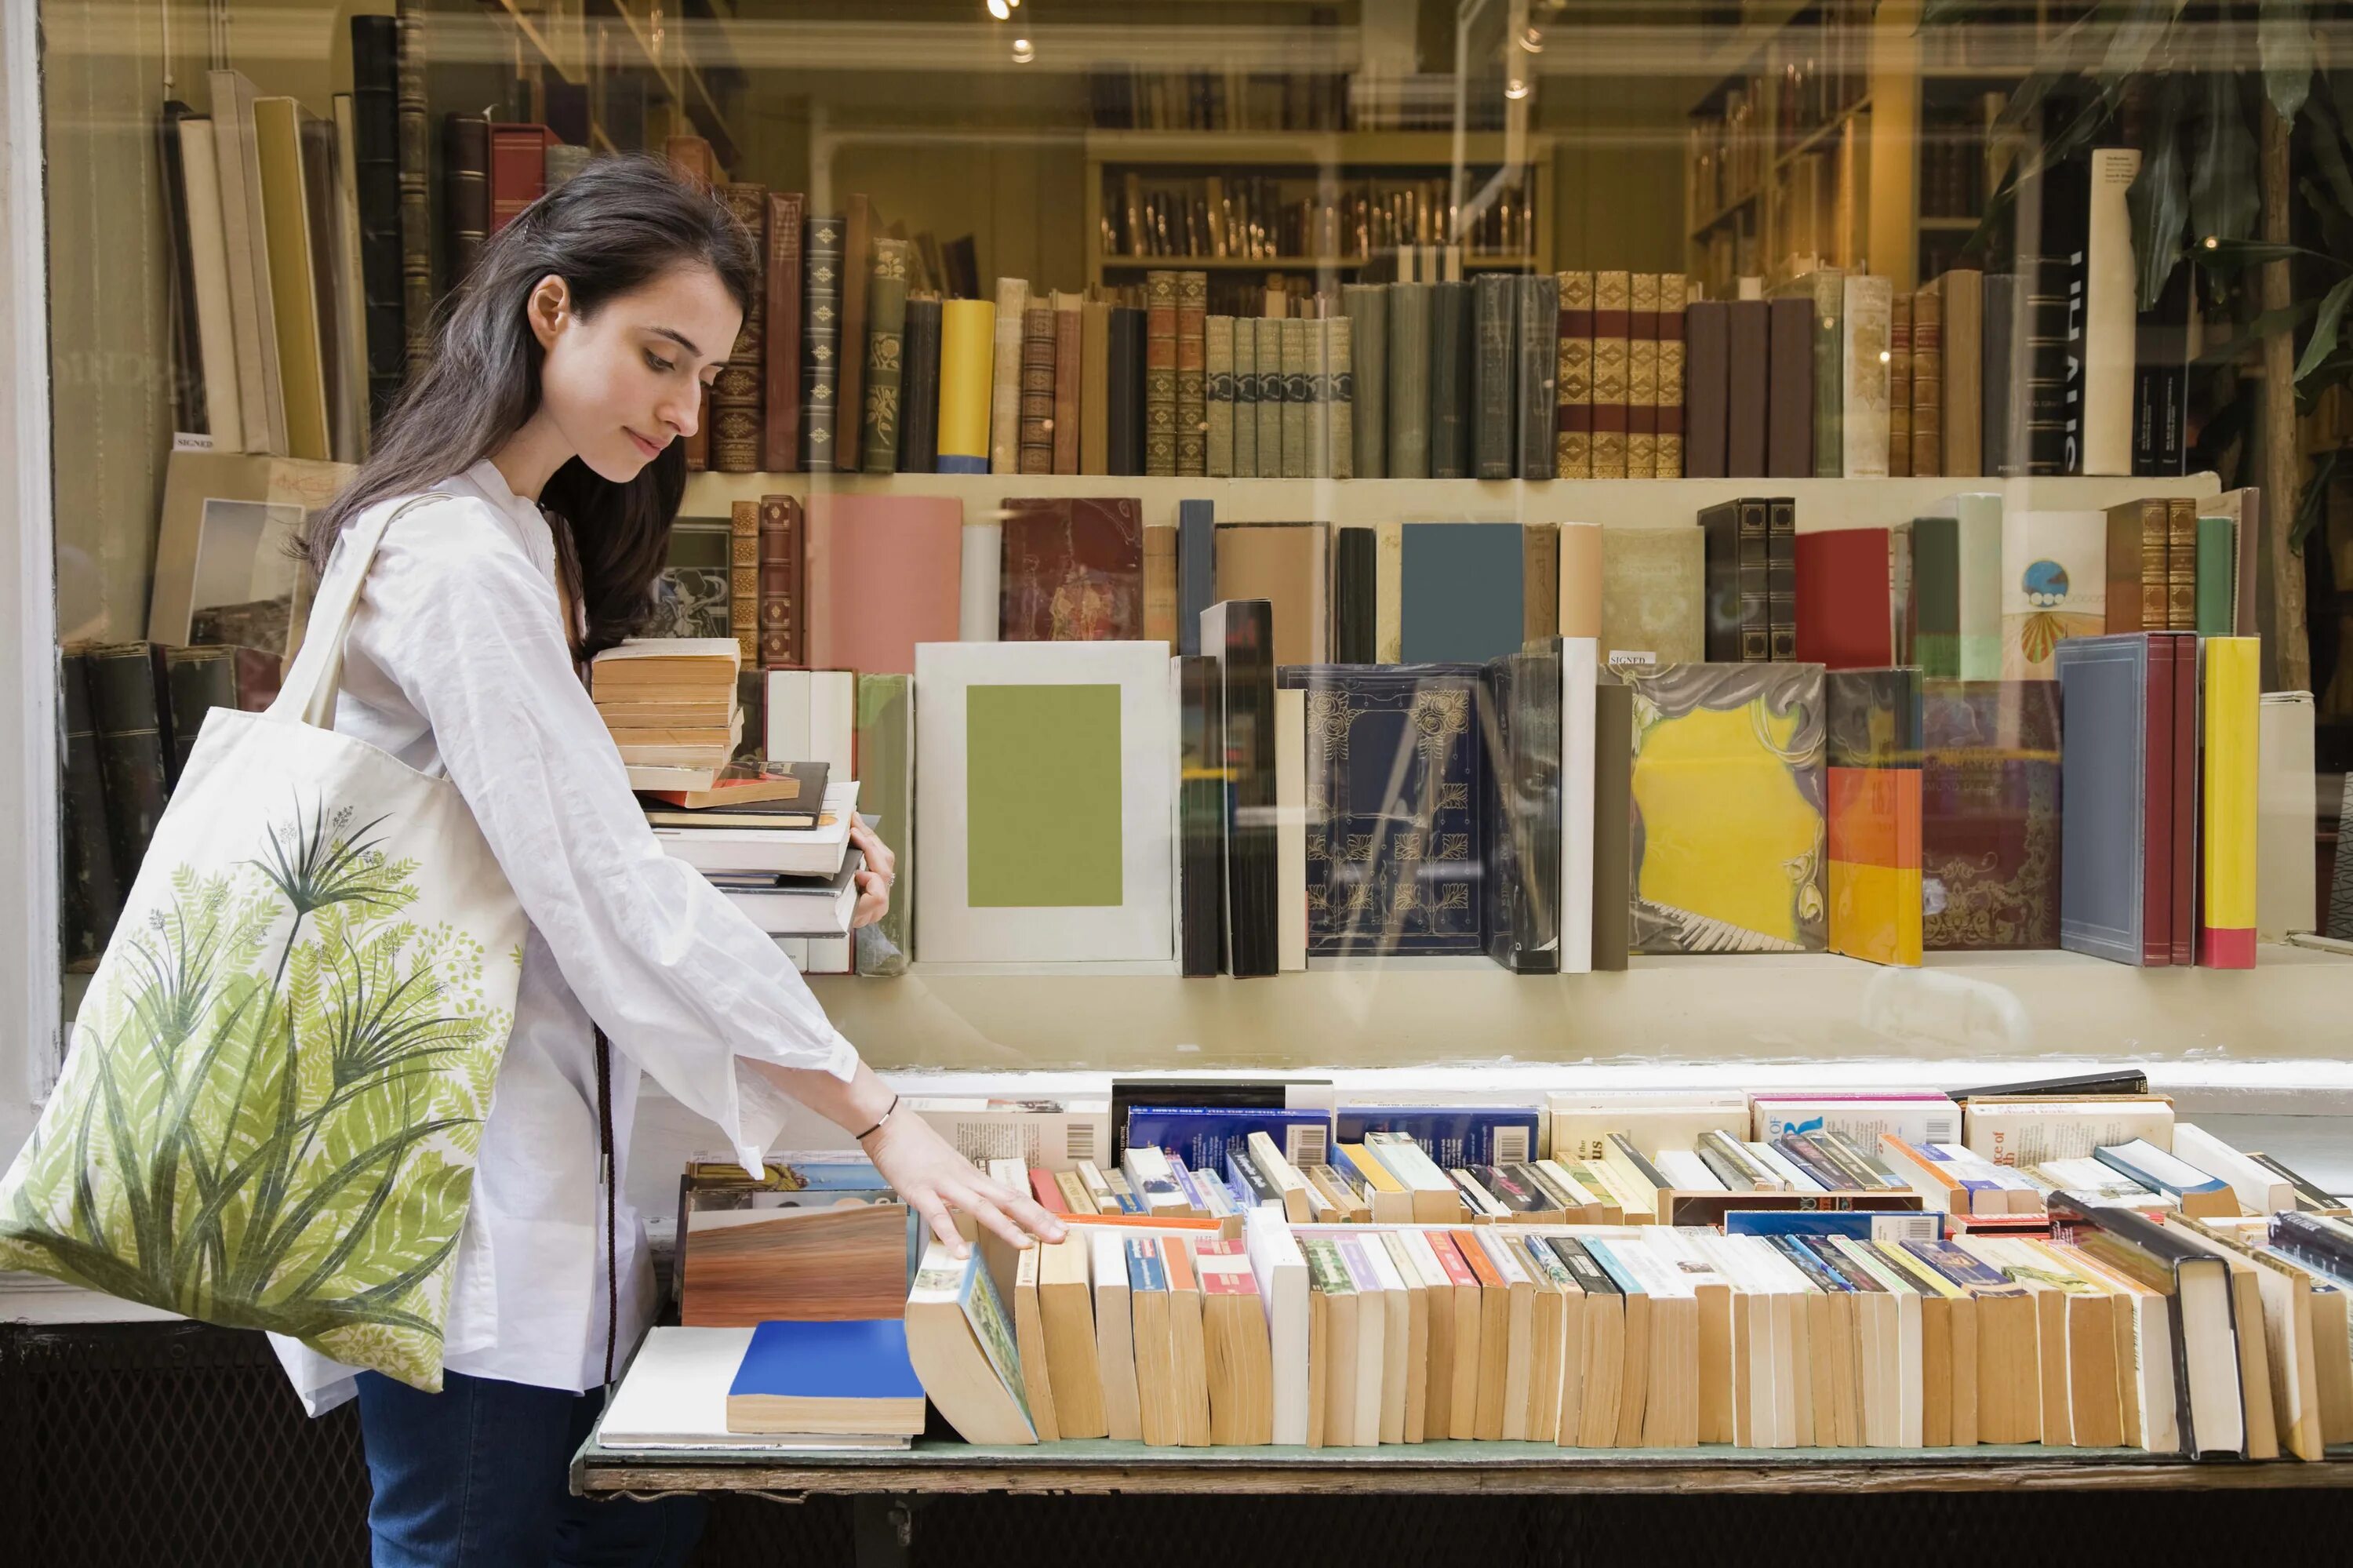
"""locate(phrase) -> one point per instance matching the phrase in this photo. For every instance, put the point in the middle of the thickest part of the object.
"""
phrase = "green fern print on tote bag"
(270, 1112)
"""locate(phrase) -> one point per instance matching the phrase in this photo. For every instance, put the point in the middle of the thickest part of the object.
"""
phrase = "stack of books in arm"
(774, 837)
(671, 705)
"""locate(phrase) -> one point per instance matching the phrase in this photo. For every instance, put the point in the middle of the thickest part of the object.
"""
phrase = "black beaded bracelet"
(879, 1121)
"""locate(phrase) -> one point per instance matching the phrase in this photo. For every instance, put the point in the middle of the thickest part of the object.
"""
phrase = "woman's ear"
(549, 310)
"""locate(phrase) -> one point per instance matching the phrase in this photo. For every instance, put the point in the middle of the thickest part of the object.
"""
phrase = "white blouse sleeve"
(680, 979)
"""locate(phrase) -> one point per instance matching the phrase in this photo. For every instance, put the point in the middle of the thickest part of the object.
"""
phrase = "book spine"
(1961, 405)
(1367, 308)
(967, 384)
(1573, 420)
(744, 595)
(821, 345)
(735, 425)
(1038, 389)
(1005, 379)
(1707, 388)
(2053, 277)
(1538, 454)
(1927, 384)
(1340, 382)
(1245, 680)
(1160, 372)
(1200, 809)
(1748, 398)
(93, 894)
(2180, 567)
(465, 189)
(1070, 333)
(919, 423)
(1296, 414)
(783, 640)
(518, 171)
(1408, 383)
(1196, 569)
(1781, 577)
(1124, 440)
(780, 407)
(1996, 326)
(1642, 375)
(1899, 385)
(1789, 399)
(2217, 593)
(1755, 584)
(1613, 304)
(1670, 420)
(1830, 374)
(2108, 315)
(376, 157)
(1094, 386)
(1319, 398)
(1246, 394)
(196, 679)
(1494, 361)
(850, 394)
(415, 121)
(886, 343)
(1192, 348)
(189, 401)
(1272, 395)
(1720, 526)
(2136, 566)
(1217, 360)
(1451, 347)
(1866, 326)
(133, 757)
(1160, 589)
(1355, 595)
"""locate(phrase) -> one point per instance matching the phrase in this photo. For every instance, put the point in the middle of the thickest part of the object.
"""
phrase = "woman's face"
(624, 383)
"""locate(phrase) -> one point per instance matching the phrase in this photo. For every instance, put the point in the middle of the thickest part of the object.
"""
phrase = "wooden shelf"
(1736, 204)
(1820, 136)
(1102, 1466)
(1346, 149)
(1614, 503)
(1124, 263)
(1950, 225)
(1730, 59)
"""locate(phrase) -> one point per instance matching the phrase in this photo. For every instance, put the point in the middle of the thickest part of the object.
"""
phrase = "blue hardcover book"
(1394, 846)
(1205, 1136)
(1452, 1136)
(842, 1376)
(1863, 1224)
(1462, 590)
(1196, 568)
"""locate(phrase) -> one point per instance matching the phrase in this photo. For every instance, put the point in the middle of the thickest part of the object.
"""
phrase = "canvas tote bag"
(275, 1094)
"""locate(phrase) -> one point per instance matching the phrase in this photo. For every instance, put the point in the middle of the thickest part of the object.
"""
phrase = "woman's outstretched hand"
(874, 882)
(927, 1172)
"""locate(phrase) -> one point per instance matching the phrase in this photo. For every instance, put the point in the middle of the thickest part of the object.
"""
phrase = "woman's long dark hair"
(614, 226)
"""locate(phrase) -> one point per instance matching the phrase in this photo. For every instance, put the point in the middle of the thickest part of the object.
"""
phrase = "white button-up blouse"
(456, 664)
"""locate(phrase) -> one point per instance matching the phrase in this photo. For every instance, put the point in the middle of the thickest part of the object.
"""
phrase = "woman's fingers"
(873, 899)
(983, 1209)
(934, 1210)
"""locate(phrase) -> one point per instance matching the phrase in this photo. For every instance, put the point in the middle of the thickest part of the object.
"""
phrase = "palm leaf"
(2224, 183)
(2284, 45)
(2325, 328)
(2159, 199)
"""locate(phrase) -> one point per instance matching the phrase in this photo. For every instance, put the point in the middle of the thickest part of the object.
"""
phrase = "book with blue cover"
(1859, 1223)
(1203, 1137)
(843, 1376)
(1394, 845)
(1452, 1136)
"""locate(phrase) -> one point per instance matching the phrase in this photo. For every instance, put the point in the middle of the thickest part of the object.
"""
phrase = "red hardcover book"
(518, 169)
(1845, 618)
(2156, 939)
(2185, 796)
(857, 263)
(783, 623)
(780, 436)
(1073, 569)
(1047, 1190)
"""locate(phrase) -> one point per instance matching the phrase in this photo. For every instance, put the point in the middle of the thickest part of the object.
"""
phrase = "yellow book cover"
(286, 220)
(967, 352)
(2226, 836)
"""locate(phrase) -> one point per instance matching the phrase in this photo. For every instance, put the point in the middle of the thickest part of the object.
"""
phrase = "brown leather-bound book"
(780, 439)
(1672, 287)
(1573, 434)
(1612, 303)
(1068, 372)
(1072, 570)
(1192, 380)
(1927, 384)
(518, 169)
(1708, 323)
(691, 160)
(2180, 565)
(466, 188)
(743, 578)
(2136, 566)
(735, 425)
(784, 634)
(1789, 388)
(1160, 372)
(1748, 376)
(1094, 386)
(1899, 387)
(857, 265)
(1642, 375)
(1038, 354)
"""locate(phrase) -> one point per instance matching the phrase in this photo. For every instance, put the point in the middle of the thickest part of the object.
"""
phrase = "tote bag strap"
(308, 694)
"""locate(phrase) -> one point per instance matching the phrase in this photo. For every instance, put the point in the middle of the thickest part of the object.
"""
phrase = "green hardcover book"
(1367, 308)
(1245, 333)
(1271, 396)
(1319, 397)
(1219, 358)
(1409, 388)
(886, 799)
(198, 680)
(1829, 290)
(1340, 382)
(1495, 360)
(886, 322)
(133, 749)
(2218, 585)
(1452, 349)
(1298, 413)
(1934, 599)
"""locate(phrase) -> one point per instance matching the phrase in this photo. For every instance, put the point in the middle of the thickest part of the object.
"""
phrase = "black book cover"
(1781, 575)
(1539, 388)
(198, 680)
(1356, 595)
(376, 161)
(133, 750)
(1721, 524)
(2055, 278)
(919, 398)
(1126, 399)
(1748, 385)
(465, 189)
(1493, 369)
(93, 896)
(1451, 354)
(1520, 807)
(2161, 382)
(1200, 822)
(1998, 328)
(1239, 635)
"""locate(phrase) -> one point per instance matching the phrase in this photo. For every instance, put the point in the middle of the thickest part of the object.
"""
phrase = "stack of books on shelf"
(670, 706)
(2042, 1264)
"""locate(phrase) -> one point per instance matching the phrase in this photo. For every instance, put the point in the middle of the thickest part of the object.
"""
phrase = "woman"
(569, 364)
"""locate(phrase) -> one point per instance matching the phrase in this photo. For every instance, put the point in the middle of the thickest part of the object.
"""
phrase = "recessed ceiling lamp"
(1001, 9)
(1023, 51)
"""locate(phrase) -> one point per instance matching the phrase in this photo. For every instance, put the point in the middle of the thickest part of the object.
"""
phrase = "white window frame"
(29, 859)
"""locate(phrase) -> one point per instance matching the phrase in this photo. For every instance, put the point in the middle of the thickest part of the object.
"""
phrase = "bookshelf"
(586, 47)
(1317, 165)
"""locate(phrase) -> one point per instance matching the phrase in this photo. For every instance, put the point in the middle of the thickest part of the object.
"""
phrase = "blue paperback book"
(1204, 1135)
(1863, 1224)
(845, 1376)
(1452, 1136)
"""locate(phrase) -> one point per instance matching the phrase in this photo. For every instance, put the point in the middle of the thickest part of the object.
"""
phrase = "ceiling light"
(1532, 40)
(1516, 88)
(1023, 51)
(1000, 9)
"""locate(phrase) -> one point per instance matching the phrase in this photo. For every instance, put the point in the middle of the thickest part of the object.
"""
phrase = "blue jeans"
(478, 1476)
